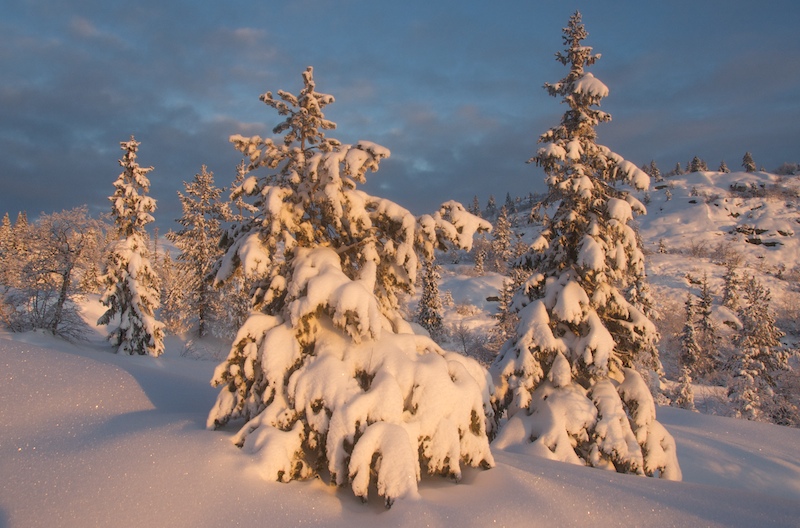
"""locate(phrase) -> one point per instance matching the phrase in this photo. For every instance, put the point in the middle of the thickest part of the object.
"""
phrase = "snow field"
(90, 438)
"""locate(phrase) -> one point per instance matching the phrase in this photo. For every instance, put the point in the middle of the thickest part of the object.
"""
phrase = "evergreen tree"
(647, 362)
(198, 242)
(481, 254)
(238, 206)
(678, 170)
(176, 314)
(747, 162)
(325, 371)
(758, 357)
(731, 286)
(510, 205)
(21, 226)
(132, 287)
(655, 173)
(709, 334)
(723, 167)
(491, 207)
(501, 242)
(475, 208)
(429, 313)
(690, 349)
(685, 399)
(697, 165)
(566, 377)
(506, 316)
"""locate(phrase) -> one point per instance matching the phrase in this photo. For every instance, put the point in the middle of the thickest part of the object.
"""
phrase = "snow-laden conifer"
(429, 313)
(475, 208)
(731, 286)
(654, 172)
(491, 207)
(748, 164)
(691, 352)
(501, 245)
(697, 165)
(708, 331)
(480, 258)
(198, 242)
(326, 373)
(506, 316)
(566, 377)
(132, 292)
(685, 397)
(759, 355)
(510, 204)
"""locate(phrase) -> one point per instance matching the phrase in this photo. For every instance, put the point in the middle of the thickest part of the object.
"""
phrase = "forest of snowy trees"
(342, 363)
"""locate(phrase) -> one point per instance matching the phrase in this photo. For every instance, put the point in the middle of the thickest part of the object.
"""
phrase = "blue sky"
(453, 89)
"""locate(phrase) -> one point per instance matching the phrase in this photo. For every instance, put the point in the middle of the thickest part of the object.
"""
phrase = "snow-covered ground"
(90, 438)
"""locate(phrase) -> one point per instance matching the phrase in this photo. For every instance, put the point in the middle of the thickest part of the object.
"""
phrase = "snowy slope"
(89, 438)
(757, 214)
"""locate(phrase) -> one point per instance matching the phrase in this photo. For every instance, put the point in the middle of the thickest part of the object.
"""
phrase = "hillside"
(696, 223)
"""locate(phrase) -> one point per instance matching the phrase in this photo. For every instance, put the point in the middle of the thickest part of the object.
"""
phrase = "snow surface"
(90, 438)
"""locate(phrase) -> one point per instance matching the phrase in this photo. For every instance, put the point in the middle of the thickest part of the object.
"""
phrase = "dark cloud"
(453, 89)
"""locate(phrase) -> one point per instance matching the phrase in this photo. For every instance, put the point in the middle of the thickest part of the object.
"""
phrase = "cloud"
(454, 90)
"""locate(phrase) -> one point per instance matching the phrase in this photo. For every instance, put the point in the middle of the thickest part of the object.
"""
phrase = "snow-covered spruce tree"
(175, 313)
(723, 167)
(506, 316)
(655, 173)
(748, 164)
(731, 285)
(758, 356)
(501, 242)
(510, 204)
(491, 207)
(198, 242)
(429, 314)
(690, 349)
(697, 165)
(480, 257)
(132, 288)
(475, 208)
(709, 333)
(685, 397)
(566, 378)
(326, 372)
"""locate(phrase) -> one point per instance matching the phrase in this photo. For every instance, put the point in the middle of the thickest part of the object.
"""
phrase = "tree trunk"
(62, 299)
